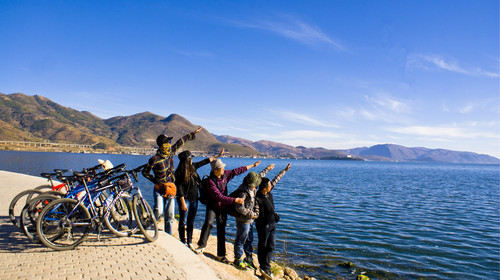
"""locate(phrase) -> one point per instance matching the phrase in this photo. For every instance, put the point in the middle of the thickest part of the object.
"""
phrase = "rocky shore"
(228, 271)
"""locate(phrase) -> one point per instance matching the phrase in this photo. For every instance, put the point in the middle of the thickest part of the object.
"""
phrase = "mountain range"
(36, 118)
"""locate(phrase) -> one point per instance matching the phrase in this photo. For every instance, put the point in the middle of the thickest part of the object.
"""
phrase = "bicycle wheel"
(120, 219)
(17, 204)
(44, 188)
(30, 214)
(63, 224)
(145, 218)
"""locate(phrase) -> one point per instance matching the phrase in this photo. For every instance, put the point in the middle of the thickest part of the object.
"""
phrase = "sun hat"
(216, 164)
(253, 179)
(106, 164)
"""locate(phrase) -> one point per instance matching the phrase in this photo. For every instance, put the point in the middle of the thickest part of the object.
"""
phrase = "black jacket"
(266, 207)
(190, 190)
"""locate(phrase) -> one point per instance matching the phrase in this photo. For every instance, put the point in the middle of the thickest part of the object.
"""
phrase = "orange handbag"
(166, 189)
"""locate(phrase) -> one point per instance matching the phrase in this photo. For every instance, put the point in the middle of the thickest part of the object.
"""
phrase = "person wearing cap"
(188, 181)
(162, 165)
(216, 185)
(266, 222)
(245, 214)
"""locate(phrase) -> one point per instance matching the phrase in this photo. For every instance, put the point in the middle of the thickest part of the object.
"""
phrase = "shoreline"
(14, 182)
(222, 270)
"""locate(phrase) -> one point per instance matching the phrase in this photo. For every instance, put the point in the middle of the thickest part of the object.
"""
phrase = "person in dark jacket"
(218, 200)
(266, 222)
(188, 181)
(162, 165)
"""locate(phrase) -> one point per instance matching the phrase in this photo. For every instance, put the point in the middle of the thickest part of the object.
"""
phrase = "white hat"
(216, 164)
(105, 164)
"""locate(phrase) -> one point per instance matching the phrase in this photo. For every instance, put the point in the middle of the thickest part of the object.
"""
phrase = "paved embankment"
(110, 258)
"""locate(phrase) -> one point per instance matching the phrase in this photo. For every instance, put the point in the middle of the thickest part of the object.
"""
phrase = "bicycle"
(31, 210)
(65, 223)
(20, 200)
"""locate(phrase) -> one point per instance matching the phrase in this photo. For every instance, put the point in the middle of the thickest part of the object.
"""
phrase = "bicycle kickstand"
(99, 230)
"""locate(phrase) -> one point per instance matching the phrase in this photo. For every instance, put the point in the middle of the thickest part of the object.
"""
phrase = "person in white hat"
(216, 185)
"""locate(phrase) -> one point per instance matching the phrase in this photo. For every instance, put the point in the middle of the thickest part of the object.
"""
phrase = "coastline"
(191, 266)
(228, 271)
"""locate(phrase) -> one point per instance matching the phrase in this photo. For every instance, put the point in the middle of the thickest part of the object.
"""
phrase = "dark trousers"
(221, 219)
(266, 245)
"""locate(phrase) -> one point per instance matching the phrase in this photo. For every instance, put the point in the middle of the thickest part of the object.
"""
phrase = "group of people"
(251, 203)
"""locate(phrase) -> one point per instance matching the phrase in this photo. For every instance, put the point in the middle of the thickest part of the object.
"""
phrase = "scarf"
(164, 150)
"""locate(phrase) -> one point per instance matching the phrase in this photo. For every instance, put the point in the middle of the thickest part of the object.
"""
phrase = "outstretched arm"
(207, 160)
(266, 170)
(184, 139)
(253, 165)
(280, 175)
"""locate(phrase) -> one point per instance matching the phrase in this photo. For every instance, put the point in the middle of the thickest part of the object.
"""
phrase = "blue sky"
(333, 74)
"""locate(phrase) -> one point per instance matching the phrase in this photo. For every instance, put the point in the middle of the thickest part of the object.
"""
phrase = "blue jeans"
(186, 220)
(164, 205)
(242, 231)
(248, 248)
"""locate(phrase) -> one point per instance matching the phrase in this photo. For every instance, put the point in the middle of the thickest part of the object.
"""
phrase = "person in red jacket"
(218, 193)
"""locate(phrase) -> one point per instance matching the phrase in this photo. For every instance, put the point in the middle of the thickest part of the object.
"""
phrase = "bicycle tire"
(145, 218)
(44, 188)
(120, 220)
(17, 204)
(61, 226)
(30, 214)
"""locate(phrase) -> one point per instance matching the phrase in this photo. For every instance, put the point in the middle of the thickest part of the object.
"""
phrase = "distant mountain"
(36, 118)
(281, 150)
(391, 152)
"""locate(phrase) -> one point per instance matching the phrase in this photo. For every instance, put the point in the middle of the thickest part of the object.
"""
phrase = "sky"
(333, 74)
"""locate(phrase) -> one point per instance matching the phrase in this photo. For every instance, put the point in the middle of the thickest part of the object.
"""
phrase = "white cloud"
(432, 131)
(302, 119)
(466, 130)
(431, 62)
(468, 108)
(388, 103)
(294, 29)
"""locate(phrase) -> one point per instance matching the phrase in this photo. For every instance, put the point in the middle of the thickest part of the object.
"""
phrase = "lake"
(391, 220)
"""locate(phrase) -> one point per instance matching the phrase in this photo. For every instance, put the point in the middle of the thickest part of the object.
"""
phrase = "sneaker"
(199, 250)
(191, 247)
(240, 264)
(223, 259)
(249, 262)
(266, 274)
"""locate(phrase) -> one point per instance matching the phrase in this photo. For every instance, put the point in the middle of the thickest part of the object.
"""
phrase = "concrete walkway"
(110, 258)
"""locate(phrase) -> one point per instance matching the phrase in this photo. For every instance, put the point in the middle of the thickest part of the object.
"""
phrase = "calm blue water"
(392, 220)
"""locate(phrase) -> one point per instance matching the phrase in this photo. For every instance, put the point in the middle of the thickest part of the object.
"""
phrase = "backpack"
(205, 197)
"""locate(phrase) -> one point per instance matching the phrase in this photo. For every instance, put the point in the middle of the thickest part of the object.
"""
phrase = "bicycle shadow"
(12, 239)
